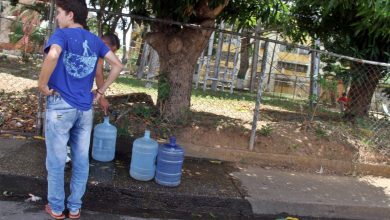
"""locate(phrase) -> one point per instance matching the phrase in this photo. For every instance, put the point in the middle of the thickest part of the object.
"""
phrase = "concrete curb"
(316, 211)
(289, 161)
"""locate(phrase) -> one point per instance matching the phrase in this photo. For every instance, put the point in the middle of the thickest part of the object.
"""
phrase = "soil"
(320, 140)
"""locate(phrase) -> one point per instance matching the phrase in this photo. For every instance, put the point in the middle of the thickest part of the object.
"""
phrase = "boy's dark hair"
(79, 9)
(344, 94)
(112, 39)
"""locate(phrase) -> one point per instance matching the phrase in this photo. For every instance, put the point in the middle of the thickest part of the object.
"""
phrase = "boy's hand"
(46, 91)
(99, 97)
(104, 104)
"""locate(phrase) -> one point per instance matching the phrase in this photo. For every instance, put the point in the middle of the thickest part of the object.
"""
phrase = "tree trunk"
(100, 23)
(178, 49)
(114, 23)
(365, 79)
(214, 82)
(178, 53)
(143, 63)
(174, 87)
(141, 51)
(153, 66)
(244, 56)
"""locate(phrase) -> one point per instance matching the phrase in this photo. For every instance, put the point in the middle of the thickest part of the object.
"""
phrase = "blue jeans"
(64, 124)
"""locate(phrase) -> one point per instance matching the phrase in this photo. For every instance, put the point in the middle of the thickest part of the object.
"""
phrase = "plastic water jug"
(104, 140)
(143, 158)
(169, 163)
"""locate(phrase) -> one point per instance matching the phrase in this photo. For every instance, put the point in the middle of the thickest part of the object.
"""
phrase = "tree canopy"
(358, 28)
(243, 12)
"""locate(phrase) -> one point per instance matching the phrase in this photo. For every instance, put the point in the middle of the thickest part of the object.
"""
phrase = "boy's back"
(75, 71)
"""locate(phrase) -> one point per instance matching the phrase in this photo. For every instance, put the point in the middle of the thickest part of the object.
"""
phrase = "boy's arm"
(48, 66)
(116, 68)
(99, 74)
(99, 83)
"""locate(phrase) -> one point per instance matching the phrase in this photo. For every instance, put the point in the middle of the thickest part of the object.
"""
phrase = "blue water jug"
(143, 158)
(169, 163)
(104, 140)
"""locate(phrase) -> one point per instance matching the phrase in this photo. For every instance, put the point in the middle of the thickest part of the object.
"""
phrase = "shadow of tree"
(29, 70)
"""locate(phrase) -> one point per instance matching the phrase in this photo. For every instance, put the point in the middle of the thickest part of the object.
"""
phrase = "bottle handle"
(106, 120)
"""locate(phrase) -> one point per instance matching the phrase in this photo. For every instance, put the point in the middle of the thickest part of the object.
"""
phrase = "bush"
(16, 32)
(266, 130)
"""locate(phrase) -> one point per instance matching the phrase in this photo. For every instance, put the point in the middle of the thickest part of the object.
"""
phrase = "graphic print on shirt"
(80, 66)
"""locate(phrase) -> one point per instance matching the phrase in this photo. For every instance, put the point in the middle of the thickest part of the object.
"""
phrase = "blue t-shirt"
(75, 71)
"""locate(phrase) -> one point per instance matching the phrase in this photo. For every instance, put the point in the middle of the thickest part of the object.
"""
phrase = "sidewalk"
(209, 189)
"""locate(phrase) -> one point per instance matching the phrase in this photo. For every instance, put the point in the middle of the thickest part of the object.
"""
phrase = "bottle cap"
(172, 141)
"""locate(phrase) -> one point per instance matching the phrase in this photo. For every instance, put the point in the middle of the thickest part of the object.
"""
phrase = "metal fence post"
(255, 58)
(209, 54)
(40, 114)
(315, 64)
(235, 67)
(199, 69)
(295, 86)
(258, 97)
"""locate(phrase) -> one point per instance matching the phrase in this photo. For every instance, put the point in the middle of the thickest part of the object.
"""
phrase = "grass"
(220, 109)
(320, 132)
(212, 109)
(215, 98)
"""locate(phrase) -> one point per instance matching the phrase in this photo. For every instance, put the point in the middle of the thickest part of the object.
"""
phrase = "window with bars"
(292, 66)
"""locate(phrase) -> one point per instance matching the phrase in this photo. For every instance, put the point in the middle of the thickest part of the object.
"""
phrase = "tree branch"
(203, 11)
(219, 8)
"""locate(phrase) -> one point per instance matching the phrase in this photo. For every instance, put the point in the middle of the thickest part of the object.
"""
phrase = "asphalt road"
(13, 210)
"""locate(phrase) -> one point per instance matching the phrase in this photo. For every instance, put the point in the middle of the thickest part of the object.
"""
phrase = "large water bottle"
(104, 140)
(143, 158)
(169, 163)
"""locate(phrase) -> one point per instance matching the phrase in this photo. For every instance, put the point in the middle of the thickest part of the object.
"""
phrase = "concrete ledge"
(286, 161)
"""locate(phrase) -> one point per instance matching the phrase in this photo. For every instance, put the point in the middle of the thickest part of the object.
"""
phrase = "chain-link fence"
(317, 89)
(327, 92)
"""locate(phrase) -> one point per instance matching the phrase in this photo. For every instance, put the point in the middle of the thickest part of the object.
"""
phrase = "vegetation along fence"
(280, 81)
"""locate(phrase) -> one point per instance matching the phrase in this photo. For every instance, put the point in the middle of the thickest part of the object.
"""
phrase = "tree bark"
(143, 62)
(141, 47)
(178, 52)
(244, 56)
(214, 82)
(364, 82)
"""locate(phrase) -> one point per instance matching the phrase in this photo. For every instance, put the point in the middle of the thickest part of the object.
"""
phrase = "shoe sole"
(75, 216)
(50, 212)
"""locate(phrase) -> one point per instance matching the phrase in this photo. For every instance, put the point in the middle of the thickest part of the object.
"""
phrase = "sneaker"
(53, 214)
(74, 215)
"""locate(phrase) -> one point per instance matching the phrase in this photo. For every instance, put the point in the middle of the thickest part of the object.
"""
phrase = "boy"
(112, 42)
(343, 102)
(66, 79)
